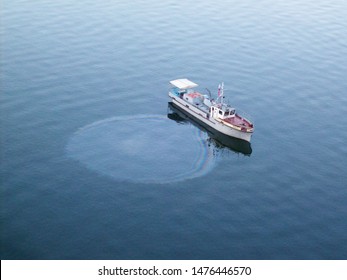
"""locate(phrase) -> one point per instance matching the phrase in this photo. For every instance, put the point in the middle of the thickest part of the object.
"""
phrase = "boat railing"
(244, 115)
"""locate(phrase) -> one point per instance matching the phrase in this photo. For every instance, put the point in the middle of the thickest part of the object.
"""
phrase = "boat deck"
(238, 121)
(202, 107)
(199, 105)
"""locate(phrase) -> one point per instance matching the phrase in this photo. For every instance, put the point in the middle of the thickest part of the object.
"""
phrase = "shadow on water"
(219, 140)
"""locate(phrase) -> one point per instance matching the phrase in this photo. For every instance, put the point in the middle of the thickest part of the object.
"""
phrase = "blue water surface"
(71, 185)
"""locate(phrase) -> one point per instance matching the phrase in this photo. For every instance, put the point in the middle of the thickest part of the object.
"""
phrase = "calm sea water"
(92, 167)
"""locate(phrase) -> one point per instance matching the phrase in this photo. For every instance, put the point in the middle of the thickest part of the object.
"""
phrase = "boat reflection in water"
(217, 139)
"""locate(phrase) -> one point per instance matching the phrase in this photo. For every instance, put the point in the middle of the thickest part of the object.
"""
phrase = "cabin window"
(221, 112)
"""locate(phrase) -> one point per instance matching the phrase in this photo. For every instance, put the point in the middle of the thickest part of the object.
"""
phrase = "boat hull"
(220, 140)
(208, 120)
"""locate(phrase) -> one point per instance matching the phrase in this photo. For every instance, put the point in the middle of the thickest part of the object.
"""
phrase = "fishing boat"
(216, 114)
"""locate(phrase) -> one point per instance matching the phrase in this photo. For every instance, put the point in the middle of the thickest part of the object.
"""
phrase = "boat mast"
(220, 92)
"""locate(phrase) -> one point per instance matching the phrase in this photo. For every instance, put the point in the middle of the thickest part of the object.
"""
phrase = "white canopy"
(183, 84)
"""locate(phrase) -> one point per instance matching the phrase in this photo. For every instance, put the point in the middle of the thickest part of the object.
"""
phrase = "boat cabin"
(222, 112)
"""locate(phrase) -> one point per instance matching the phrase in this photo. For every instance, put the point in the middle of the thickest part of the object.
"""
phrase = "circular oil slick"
(142, 149)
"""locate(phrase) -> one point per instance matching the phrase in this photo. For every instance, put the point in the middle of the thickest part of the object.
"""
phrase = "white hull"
(208, 119)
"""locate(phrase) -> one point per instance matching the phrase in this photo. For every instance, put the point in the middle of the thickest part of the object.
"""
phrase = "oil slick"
(142, 149)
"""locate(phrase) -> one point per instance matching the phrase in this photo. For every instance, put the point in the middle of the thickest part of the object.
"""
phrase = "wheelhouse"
(222, 112)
